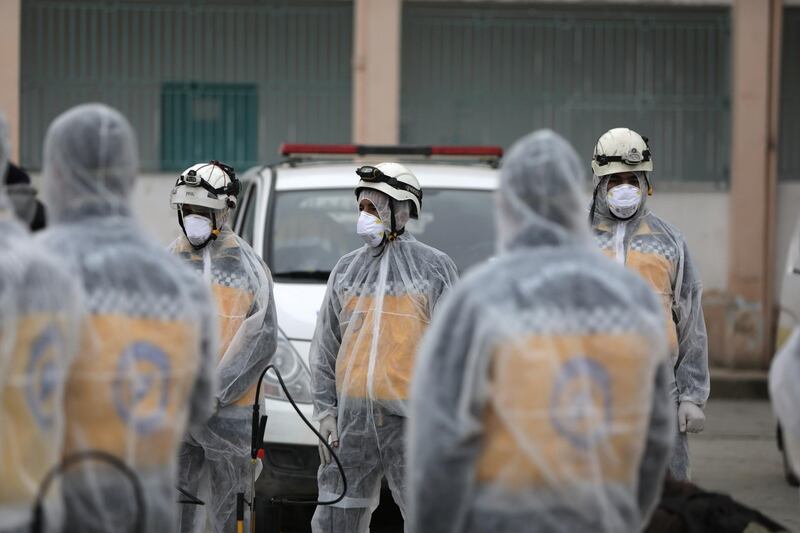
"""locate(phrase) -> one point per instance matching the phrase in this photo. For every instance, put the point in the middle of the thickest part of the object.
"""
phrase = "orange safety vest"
(566, 411)
(403, 320)
(659, 272)
(233, 303)
(233, 306)
(130, 387)
(30, 401)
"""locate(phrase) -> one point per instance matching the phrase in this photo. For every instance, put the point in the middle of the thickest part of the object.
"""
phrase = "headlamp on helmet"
(632, 157)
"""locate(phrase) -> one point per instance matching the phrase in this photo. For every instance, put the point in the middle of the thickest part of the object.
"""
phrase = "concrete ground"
(737, 454)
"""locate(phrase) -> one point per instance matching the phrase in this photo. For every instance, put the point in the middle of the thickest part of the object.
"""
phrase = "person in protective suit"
(145, 367)
(215, 460)
(379, 301)
(630, 233)
(540, 400)
(39, 315)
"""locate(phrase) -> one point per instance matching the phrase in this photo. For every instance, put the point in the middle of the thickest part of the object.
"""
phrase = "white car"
(300, 216)
(788, 323)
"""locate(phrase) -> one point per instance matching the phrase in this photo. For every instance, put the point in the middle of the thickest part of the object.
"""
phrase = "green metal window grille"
(200, 122)
(489, 73)
(131, 53)
(789, 154)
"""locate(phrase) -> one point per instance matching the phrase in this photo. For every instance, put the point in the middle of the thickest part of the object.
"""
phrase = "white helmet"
(394, 180)
(211, 185)
(621, 150)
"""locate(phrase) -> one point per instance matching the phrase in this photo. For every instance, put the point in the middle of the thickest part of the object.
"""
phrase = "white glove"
(328, 430)
(690, 418)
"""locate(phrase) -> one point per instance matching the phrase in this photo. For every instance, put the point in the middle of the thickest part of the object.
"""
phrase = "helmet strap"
(394, 233)
(215, 231)
(594, 203)
(180, 219)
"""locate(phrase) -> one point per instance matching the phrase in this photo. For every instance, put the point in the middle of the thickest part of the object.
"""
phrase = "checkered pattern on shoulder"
(226, 270)
(111, 301)
(392, 288)
(603, 319)
(230, 278)
(656, 244)
(604, 240)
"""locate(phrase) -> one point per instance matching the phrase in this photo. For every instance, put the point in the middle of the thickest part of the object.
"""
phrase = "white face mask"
(624, 200)
(370, 229)
(198, 229)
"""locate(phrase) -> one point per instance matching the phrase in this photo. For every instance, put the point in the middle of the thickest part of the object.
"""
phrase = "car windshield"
(312, 229)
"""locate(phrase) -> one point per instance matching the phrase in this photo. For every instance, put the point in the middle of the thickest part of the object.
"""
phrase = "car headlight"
(293, 370)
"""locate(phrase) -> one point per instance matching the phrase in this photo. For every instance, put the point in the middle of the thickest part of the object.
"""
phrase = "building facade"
(236, 78)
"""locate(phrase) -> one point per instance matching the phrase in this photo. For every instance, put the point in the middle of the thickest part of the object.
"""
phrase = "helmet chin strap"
(395, 232)
(594, 204)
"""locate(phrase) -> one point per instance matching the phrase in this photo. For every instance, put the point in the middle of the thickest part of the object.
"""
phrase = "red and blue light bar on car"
(294, 149)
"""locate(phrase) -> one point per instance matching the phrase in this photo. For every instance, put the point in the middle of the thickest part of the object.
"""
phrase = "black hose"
(38, 508)
(317, 433)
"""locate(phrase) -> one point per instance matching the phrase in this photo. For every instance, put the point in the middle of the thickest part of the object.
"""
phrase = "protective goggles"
(372, 174)
(191, 179)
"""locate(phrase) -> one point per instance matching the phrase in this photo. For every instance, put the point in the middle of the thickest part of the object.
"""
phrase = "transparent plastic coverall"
(657, 251)
(145, 366)
(215, 461)
(540, 399)
(39, 316)
(378, 304)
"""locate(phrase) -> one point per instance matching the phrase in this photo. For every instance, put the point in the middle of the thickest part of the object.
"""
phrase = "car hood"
(298, 305)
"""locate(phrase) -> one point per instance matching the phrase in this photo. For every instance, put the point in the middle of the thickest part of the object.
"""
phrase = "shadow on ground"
(297, 519)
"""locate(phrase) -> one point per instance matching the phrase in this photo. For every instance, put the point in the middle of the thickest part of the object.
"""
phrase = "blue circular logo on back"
(141, 386)
(580, 404)
(43, 375)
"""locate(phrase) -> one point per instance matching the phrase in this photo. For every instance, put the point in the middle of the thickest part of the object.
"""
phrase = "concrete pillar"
(756, 40)
(10, 24)
(376, 71)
